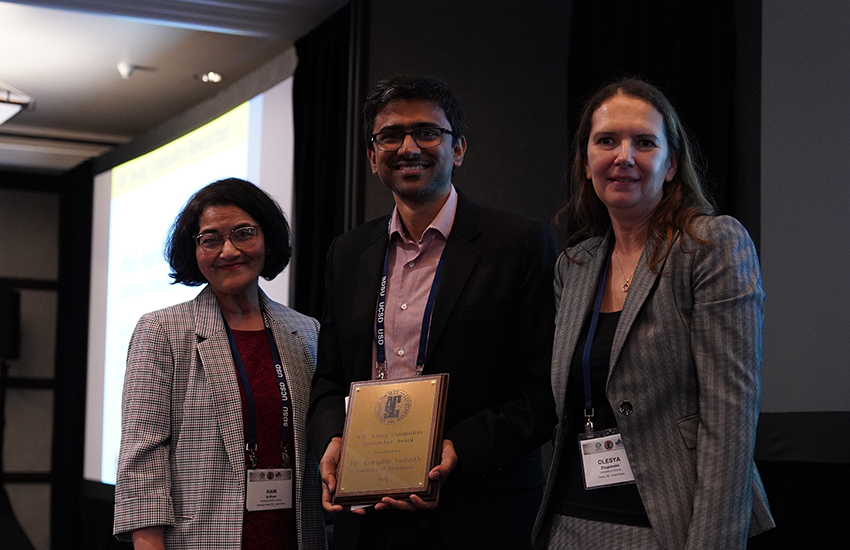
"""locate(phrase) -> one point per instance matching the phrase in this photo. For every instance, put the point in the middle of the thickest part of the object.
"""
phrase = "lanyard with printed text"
(585, 357)
(286, 431)
(381, 353)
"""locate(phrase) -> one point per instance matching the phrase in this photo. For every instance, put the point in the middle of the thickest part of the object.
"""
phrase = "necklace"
(628, 280)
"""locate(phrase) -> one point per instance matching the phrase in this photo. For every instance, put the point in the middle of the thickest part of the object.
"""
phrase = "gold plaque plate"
(392, 439)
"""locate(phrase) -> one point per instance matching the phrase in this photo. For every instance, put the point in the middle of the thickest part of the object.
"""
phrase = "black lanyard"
(286, 430)
(381, 352)
(585, 358)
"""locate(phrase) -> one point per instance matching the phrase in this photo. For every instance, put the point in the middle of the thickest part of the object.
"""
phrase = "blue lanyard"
(381, 354)
(585, 358)
(286, 431)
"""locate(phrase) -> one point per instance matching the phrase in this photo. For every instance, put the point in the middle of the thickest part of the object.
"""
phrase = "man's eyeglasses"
(424, 137)
(240, 237)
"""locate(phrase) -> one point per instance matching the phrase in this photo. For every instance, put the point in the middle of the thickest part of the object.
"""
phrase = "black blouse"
(618, 504)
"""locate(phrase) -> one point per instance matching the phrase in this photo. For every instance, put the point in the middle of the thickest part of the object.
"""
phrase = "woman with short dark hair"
(213, 445)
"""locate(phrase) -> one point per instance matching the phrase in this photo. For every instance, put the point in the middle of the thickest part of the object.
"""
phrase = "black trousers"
(386, 530)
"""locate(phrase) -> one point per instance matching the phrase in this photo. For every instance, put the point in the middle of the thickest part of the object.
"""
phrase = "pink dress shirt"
(410, 273)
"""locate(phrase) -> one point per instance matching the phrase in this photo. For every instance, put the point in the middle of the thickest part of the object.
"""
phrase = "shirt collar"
(442, 223)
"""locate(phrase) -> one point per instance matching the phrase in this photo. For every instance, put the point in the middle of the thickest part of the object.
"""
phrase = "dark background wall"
(522, 71)
(507, 63)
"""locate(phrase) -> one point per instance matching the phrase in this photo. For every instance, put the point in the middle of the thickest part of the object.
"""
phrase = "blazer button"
(626, 408)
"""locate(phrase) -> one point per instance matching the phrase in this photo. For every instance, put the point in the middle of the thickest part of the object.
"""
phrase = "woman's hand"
(149, 538)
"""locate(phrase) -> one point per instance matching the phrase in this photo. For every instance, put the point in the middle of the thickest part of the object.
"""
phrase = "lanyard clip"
(252, 455)
(380, 370)
(588, 426)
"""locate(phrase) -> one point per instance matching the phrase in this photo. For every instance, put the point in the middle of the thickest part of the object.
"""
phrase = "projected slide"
(147, 194)
(135, 205)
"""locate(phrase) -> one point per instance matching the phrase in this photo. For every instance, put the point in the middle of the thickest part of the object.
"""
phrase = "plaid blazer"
(687, 357)
(182, 462)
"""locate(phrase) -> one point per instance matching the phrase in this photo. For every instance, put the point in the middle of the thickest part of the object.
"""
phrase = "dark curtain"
(10, 338)
(688, 49)
(79, 517)
(320, 106)
(75, 219)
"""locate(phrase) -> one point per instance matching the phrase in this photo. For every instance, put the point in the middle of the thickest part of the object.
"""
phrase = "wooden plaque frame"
(393, 438)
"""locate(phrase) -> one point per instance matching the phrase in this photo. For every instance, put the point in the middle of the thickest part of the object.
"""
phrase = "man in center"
(490, 326)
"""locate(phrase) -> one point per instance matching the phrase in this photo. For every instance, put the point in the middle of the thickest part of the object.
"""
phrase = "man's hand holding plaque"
(438, 474)
(392, 453)
(328, 470)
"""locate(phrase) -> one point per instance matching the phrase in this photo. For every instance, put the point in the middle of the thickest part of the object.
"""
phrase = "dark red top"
(270, 528)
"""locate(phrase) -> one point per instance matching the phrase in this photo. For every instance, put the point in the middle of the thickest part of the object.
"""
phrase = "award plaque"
(393, 438)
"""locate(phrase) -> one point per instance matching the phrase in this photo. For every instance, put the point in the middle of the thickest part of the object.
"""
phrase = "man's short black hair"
(403, 87)
(180, 246)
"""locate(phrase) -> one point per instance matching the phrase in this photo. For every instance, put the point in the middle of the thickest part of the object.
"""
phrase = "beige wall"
(29, 251)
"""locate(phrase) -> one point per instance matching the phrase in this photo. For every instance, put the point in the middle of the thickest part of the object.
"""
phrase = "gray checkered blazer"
(182, 459)
(687, 358)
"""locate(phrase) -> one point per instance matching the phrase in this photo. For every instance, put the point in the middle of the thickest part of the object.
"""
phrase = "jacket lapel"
(460, 257)
(362, 327)
(220, 370)
(292, 358)
(642, 283)
(577, 297)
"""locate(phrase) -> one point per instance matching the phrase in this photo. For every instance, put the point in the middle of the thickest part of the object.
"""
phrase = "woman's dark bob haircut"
(180, 245)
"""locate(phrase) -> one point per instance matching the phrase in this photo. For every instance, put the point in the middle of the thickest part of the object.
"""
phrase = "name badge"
(603, 459)
(268, 489)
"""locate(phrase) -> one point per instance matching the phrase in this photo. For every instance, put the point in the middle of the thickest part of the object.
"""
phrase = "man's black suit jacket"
(491, 330)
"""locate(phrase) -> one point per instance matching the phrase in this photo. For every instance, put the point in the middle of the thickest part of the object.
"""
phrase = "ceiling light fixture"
(12, 101)
(209, 77)
(126, 70)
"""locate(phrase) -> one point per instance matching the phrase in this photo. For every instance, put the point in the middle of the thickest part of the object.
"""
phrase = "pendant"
(626, 286)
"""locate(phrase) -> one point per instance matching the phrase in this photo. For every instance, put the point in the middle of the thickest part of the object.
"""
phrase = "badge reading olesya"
(393, 438)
